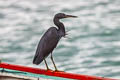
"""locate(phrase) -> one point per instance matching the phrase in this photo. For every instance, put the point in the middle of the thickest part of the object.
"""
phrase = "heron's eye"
(63, 16)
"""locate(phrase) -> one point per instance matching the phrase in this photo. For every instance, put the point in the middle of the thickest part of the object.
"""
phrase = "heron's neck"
(60, 25)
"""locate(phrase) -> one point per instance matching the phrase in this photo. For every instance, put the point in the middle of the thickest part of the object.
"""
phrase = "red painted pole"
(51, 73)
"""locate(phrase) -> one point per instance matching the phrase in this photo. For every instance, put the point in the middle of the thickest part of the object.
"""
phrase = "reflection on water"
(93, 46)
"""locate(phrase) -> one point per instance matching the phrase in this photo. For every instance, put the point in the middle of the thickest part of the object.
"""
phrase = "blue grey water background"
(93, 43)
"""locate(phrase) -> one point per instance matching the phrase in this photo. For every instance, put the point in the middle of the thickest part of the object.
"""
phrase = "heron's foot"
(49, 70)
(58, 71)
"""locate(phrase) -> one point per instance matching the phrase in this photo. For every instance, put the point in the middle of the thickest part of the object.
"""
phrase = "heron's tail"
(37, 60)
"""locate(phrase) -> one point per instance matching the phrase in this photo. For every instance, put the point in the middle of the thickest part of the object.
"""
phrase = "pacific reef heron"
(50, 40)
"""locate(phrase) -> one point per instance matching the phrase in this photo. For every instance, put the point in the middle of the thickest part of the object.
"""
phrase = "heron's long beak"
(70, 16)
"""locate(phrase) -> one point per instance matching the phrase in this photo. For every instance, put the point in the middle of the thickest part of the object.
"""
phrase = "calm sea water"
(93, 43)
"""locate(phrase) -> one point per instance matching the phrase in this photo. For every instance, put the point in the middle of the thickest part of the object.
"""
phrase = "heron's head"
(62, 15)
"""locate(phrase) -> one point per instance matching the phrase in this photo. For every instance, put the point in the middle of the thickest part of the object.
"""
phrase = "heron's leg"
(53, 62)
(46, 65)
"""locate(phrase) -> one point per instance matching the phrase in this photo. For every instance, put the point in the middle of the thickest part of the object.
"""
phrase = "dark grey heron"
(50, 40)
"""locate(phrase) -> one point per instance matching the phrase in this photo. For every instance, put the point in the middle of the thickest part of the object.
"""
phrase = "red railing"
(51, 73)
